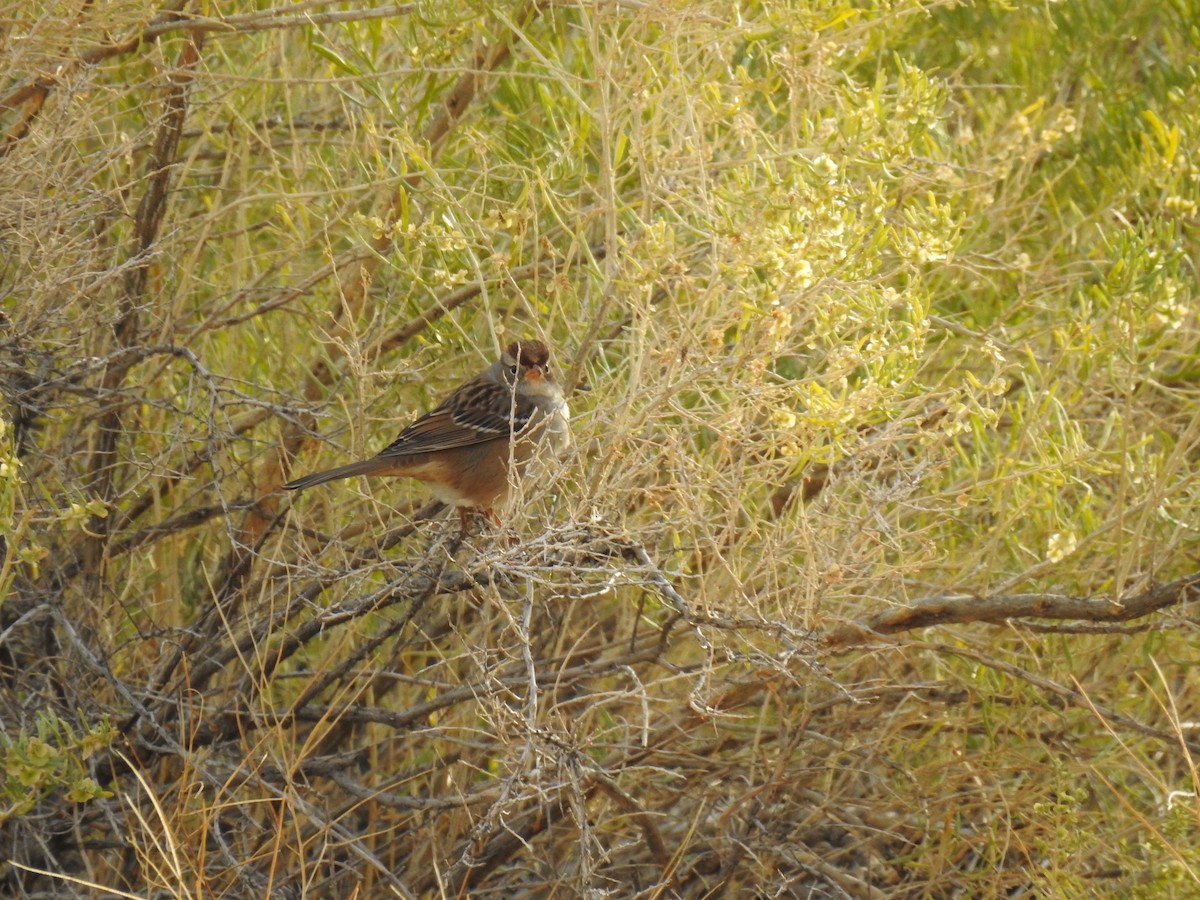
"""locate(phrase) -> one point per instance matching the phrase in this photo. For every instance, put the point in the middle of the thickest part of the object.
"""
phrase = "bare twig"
(1002, 608)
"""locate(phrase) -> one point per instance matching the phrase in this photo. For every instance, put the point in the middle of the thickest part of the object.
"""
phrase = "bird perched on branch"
(486, 431)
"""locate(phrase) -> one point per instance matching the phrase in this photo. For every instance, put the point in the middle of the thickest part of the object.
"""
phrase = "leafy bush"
(870, 574)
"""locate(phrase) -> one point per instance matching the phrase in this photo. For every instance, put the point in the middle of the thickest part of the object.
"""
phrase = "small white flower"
(1060, 546)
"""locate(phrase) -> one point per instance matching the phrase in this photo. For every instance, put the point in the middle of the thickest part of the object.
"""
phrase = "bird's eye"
(512, 369)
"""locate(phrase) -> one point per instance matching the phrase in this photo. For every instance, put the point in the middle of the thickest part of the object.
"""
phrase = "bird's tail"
(365, 467)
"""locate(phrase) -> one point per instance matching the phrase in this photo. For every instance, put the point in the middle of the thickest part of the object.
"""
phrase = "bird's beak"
(534, 374)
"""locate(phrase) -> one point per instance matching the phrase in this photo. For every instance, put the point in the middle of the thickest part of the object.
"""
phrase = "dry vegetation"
(873, 574)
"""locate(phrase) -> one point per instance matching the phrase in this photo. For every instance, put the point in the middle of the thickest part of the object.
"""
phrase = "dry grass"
(870, 575)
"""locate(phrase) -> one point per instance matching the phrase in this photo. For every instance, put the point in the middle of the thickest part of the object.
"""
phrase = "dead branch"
(967, 609)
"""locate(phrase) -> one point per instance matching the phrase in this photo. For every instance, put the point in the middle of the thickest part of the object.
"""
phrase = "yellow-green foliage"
(886, 309)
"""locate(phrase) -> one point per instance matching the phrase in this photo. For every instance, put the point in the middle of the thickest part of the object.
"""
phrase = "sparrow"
(487, 430)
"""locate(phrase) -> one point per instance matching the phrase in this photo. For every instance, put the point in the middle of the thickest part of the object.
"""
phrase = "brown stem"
(147, 224)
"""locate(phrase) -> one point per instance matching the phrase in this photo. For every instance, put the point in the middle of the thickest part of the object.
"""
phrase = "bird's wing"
(479, 411)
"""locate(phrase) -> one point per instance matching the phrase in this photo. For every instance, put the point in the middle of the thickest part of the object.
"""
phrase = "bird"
(489, 428)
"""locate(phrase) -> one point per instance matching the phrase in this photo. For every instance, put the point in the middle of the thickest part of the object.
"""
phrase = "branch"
(959, 609)
(30, 96)
(148, 221)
